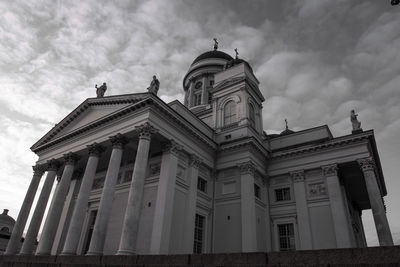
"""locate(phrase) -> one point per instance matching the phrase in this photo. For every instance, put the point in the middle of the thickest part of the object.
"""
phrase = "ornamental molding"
(118, 141)
(249, 144)
(195, 161)
(337, 142)
(172, 147)
(330, 170)
(145, 130)
(70, 158)
(247, 167)
(367, 164)
(38, 169)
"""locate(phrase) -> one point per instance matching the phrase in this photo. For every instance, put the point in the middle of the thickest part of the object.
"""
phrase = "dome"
(6, 219)
(286, 132)
(212, 54)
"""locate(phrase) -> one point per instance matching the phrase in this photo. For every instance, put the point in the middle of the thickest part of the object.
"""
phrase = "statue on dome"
(237, 54)
(154, 85)
(101, 90)
(215, 44)
(355, 122)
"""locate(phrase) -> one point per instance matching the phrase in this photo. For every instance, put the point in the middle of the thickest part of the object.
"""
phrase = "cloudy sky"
(315, 59)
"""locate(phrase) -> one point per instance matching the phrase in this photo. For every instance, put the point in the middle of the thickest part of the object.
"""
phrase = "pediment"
(90, 111)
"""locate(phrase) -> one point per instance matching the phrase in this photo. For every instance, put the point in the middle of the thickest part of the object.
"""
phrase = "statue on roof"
(101, 90)
(154, 85)
(215, 44)
(354, 121)
(237, 53)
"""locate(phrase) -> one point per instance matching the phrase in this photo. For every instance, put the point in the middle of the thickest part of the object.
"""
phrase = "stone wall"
(382, 256)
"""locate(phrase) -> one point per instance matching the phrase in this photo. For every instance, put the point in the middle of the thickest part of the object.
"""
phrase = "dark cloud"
(315, 59)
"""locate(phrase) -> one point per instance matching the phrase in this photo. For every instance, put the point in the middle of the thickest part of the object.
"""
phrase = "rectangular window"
(209, 98)
(92, 220)
(202, 185)
(286, 237)
(197, 99)
(198, 234)
(282, 194)
(257, 193)
(211, 82)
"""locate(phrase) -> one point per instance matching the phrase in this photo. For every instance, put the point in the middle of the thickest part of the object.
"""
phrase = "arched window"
(252, 116)
(230, 113)
(5, 229)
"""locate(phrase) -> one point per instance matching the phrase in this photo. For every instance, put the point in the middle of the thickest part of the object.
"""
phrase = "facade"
(140, 176)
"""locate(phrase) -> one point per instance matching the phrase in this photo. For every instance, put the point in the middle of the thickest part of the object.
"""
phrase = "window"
(198, 234)
(197, 99)
(286, 237)
(252, 116)
(230, 113)
(209, 98)
(257, 193)
(202, 185)
(92, 220)
(5, 230)
(211, 82)
(282, 194)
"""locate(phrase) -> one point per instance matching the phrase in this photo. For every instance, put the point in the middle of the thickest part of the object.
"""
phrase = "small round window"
(198, 85)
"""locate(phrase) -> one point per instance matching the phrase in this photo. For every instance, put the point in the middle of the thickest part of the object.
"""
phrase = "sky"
(315, 60)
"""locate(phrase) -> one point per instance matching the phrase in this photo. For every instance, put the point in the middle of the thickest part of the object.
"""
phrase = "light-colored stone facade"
(141, 176)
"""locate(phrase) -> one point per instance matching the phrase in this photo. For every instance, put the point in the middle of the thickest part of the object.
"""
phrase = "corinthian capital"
(146, 130)
(52, 165)
(330, 170)
(95, 149)
(70, 158)
(172, 147)
(195, 161)
(38, 170)
(247, 167)
(118, 140)
(297, 176)
(366, 164)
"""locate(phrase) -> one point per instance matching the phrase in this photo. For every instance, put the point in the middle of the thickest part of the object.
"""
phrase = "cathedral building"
(137, 175)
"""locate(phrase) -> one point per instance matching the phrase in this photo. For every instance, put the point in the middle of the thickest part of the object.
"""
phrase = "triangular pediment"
(89, 112)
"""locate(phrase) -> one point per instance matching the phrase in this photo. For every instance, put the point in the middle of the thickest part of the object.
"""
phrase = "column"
(78, 215)
(191, 89)
(248, 209)
(338, 207)
(204, 91)
(268, 223)
(303, 219)
(193, 174)
(15, 239)
(378, 211)
(53, 217)
(130, 227)
(30, 238)
(165, 199)
(103, 213)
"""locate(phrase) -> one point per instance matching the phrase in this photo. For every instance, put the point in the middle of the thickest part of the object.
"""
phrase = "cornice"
(337, 142)
(250, 143)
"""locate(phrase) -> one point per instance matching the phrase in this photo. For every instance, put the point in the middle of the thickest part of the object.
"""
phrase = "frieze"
(317, 190)
(366, 164)
(297, 176)
(330, 170)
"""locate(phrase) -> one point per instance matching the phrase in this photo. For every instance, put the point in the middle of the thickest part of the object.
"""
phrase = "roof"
(212, 54)
(5, 218)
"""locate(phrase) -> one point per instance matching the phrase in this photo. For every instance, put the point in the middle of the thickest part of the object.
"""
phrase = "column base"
(42, 254)
(67, 254)
(93, 253)
(125, 252)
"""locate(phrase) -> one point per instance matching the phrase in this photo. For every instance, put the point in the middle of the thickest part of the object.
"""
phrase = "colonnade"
(132, 214)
